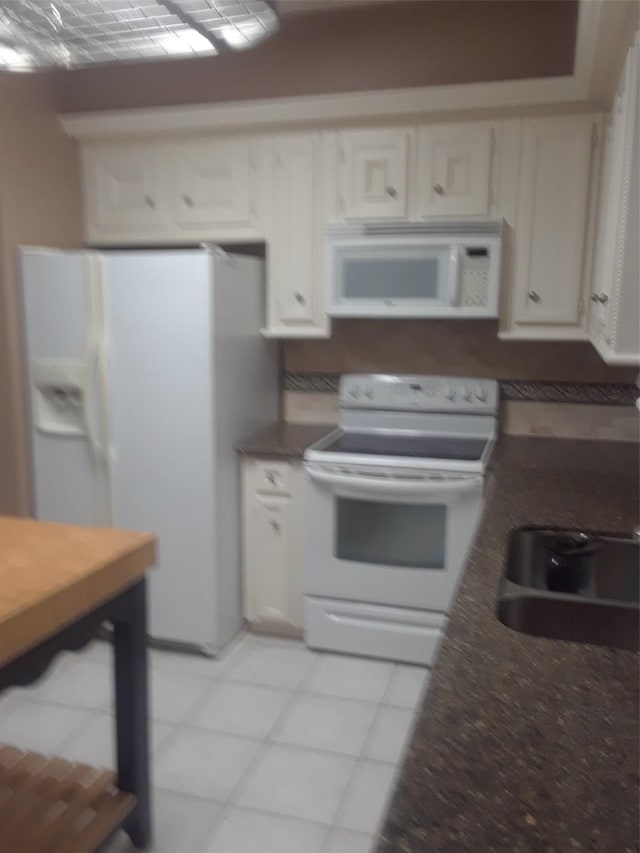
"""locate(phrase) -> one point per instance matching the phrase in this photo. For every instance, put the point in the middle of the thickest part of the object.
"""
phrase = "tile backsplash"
(448, 347)
(553, 388)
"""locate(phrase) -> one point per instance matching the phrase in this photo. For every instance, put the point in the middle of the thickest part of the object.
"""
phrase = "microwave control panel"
(474, 285)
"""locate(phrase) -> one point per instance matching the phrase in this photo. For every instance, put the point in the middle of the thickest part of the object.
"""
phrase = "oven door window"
(408, 536)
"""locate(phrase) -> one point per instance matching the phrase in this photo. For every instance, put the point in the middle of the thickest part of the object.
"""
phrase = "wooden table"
(58, 584)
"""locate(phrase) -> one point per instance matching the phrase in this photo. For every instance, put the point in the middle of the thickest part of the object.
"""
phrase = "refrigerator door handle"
(96, 408)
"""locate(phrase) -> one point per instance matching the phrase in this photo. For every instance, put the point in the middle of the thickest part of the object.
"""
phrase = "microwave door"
(378, 280)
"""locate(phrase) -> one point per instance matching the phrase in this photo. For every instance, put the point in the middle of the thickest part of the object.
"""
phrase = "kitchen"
(164, 165)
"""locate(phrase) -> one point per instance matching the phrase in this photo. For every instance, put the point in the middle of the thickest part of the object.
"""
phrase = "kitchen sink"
(572, 585)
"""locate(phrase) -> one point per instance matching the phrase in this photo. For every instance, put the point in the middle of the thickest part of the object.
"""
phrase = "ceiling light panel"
(72, 33)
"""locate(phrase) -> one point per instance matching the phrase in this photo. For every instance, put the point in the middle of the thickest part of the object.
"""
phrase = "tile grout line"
(267, 742)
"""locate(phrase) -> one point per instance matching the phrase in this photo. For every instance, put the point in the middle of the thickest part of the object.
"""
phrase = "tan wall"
(40, 202)
(448, 347)
(382, 46)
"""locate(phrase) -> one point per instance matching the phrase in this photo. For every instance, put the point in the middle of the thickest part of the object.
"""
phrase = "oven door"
(391, 540)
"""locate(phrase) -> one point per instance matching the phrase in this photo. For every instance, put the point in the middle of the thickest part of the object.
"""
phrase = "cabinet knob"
(392, 192)
(187, 200)
(271, 477)
(275, 525)
(534, 297)
(594, 297)
(149, 202)
(603, 298)
(299, 297)
(438, 189)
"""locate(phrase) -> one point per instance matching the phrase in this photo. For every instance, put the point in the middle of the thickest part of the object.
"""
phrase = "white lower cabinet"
(272, 544)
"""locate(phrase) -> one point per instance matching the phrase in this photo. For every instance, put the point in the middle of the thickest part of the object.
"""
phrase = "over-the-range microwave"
(414, 269)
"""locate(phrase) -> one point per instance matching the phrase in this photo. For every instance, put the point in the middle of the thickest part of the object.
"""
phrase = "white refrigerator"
(144, 369)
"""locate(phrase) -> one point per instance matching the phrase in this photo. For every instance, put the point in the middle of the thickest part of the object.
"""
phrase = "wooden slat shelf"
(49, 805)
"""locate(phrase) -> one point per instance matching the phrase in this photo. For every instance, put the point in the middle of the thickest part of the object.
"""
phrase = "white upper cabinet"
(295, 238)
(191, 190)
(614, 321)
(372, 173)
(539, 174)
(454, 169)
(556, 188)
(124, 191)
(215, 185)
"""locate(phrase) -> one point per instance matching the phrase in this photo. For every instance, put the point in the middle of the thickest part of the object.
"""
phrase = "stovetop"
(417, 447)
(426, 422)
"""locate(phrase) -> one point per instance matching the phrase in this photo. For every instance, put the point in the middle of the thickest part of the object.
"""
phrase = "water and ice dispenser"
(59, 395)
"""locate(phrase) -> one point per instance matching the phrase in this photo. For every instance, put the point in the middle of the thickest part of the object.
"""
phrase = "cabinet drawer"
(272, 478)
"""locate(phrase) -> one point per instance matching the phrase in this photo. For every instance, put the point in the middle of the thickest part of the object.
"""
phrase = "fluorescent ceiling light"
(15, 60)
(72, 33)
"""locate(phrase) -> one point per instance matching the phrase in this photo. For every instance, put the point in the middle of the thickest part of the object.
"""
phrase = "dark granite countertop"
(526, 744)
(283, 439)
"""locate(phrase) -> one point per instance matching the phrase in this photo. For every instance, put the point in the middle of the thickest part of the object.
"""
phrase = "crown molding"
(309, 110)
(594, 18)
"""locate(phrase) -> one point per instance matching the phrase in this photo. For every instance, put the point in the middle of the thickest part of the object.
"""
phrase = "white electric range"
(394, 496)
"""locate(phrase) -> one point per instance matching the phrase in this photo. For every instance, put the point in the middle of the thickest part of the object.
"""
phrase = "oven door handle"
(389, 486)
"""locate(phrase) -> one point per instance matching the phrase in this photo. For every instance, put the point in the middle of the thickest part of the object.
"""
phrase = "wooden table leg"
(131, 692)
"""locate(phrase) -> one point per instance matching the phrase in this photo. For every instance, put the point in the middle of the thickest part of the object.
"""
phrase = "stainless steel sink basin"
(572, 585)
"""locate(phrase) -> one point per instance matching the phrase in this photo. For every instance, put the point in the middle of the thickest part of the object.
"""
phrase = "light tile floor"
(272, 748)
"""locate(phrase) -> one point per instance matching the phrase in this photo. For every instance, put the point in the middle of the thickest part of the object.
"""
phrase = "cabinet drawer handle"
(392, 192)
(438, 189)
(299, 297)
(149, 202)
(275, 525)
(534, 297)
(187, 200)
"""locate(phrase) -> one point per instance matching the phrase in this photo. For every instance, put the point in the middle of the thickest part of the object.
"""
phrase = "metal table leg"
(131, 695)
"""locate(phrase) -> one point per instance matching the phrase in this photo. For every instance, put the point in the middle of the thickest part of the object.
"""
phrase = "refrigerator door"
(161, 418)
(62, 309)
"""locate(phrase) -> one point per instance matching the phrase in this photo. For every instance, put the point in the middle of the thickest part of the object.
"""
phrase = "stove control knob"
(450, 393)
(467, 396)
(354, 392)
(481, 394)
(368, 392)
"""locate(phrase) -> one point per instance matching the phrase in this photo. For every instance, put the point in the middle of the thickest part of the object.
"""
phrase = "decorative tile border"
(326, 383)
(603, 393)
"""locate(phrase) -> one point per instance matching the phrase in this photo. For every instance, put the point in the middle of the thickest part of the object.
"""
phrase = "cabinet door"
(615, 297)
(551, 219)
(373, 173)
(215, 184)
(124, 191)
(271, 535)
(454, 169)
(295, 238)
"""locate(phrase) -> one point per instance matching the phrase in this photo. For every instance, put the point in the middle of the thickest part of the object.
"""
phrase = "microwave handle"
(454, 275)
